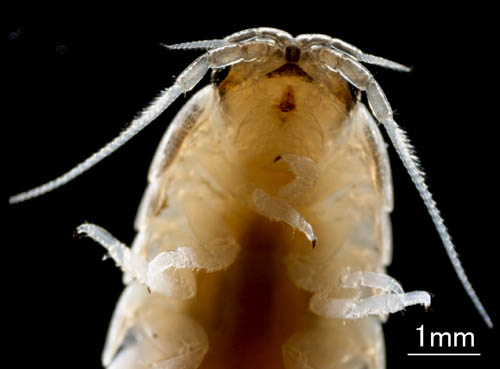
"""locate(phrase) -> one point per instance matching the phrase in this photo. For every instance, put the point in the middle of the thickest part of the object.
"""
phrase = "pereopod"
(214, 279)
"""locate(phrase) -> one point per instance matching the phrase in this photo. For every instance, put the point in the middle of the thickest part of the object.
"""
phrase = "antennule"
(193, 45)
(368, 58)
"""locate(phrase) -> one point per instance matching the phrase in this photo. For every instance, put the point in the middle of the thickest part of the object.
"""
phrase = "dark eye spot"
(219, 75)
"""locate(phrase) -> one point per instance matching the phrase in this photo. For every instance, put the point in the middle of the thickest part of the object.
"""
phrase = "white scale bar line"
(444, 354)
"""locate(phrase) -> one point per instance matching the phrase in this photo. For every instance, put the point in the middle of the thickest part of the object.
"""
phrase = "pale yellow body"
(255, 312)
(264, 233)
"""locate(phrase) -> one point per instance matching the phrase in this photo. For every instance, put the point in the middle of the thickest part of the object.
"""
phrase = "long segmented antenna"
(185, 82)
(405, 152)
(148, 115)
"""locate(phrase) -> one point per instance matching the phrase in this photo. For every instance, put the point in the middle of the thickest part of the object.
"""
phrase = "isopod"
(264, 233)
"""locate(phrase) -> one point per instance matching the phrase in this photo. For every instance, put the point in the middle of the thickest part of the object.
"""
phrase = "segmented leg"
(353, 308)
(357, 307)
(371, 279)
(279, 210)
(306, 174)
(170, 272)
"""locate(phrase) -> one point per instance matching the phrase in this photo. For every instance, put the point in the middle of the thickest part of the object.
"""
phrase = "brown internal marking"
(179, 135)
(290, 70)
(159, 202)
(287, 103)
(292, 54)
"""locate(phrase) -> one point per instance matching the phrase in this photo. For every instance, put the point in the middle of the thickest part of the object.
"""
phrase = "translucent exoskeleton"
(264, 233)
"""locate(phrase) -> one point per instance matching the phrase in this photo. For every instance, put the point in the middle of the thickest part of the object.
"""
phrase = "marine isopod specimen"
(264, 233)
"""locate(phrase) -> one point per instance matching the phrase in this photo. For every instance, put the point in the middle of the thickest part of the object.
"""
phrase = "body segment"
(264, 233)
(296, 140)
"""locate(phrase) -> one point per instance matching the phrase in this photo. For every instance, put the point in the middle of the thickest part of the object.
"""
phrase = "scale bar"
(442, 354)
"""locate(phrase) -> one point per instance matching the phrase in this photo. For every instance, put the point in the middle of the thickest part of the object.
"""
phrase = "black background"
(76, 77)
